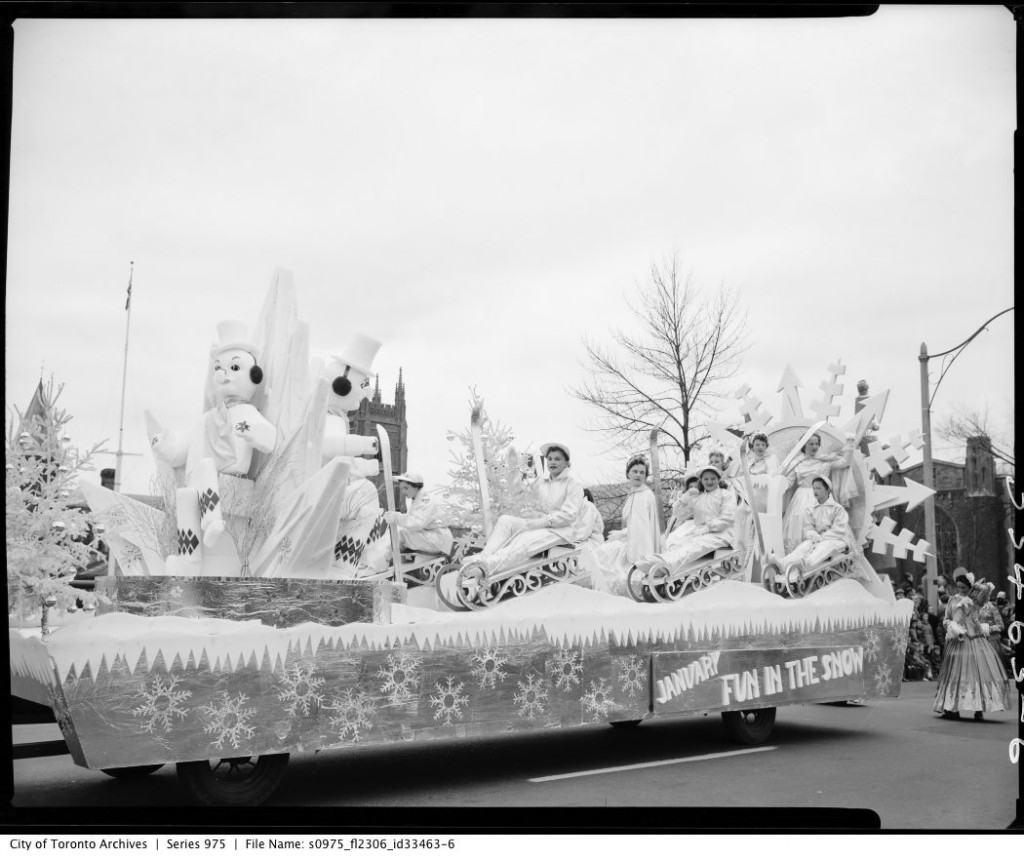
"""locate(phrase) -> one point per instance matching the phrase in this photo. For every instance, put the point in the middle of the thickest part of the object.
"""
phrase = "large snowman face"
(231, 377)
(337, 373)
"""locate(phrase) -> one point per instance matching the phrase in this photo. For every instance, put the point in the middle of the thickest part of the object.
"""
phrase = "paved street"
(893, 756)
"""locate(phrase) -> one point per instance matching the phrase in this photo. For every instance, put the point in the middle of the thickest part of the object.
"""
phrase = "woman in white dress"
(714, 514)
(826, 530)
(810, 463)
(681, 525)
(610, 562)
(761, 466)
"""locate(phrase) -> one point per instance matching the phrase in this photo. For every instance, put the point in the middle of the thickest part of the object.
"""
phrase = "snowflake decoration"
(598, 702)
(242, 426)
(401, 678)
(300, 689)
(900, 637)
(354, 712)
(566, 669)
(488, 667)
(160, 703)
(883, 678)
(228, 720)
(532, 697)
(448, 702)
(872, 645)
(131, 555)
(632, 673)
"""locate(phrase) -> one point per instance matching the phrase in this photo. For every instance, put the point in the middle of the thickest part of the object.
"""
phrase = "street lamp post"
(927, 398)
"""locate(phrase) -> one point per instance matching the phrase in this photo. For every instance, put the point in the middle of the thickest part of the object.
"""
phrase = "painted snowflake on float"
(299, 689)
(632, 674)
(228, 719)
(448, 702)
(597, 702)
(566, 669)
(160, 702)
(532, 696)
(872, 645)
(794, 426)
(488, 667)
(401, 678)
(900, 638)
(883, 678)
(354, 711)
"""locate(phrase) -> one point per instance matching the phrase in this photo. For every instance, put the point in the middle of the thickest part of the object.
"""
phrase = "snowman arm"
(365, 467)
(259, 433)
(349, 445)
(170, 447)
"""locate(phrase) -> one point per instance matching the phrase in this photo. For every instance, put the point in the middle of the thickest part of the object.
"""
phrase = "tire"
(132, 772)
(233, 781)
(750, 727)
(626, 723)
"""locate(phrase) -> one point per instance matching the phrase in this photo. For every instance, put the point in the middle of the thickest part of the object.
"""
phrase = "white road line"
(654, 764)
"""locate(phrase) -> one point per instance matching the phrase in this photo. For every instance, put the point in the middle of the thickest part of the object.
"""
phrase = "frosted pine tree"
(505, 470)
(48, 537)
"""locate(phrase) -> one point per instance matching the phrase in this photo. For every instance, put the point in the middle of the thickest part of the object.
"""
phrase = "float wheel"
(233, 781)
(132, 772)
(750, 727)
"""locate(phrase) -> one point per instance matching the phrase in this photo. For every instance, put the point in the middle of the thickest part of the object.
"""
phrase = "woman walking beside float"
(971, 676)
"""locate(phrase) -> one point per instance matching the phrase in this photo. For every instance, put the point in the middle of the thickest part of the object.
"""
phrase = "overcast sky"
(482, 194)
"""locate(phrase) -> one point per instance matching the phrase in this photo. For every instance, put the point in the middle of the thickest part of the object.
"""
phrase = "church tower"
(391, 416)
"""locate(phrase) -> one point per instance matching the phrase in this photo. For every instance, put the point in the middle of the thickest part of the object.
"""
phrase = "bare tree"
(965, 423)
(672, 372)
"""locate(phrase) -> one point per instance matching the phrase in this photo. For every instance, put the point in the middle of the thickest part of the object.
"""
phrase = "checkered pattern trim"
(207, 501)
(349, 550)
(188, 542)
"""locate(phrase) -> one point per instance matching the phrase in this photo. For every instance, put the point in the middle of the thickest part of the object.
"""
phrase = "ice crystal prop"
(508, 494)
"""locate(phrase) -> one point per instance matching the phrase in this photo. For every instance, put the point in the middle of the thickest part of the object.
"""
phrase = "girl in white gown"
(714, 514)
(610, 562)
(826, 530)
(681, 525)
(811, 463)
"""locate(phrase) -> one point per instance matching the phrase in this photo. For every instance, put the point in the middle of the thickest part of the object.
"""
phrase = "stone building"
(372, 411)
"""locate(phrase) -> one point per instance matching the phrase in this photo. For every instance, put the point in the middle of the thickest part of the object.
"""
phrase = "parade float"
(258, 614)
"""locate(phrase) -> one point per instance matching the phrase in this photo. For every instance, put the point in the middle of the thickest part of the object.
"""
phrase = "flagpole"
(119, 456)
(124, 380)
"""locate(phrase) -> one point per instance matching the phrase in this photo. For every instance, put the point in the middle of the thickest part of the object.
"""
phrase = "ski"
(476, 428)
(656, 479)
(389, 492)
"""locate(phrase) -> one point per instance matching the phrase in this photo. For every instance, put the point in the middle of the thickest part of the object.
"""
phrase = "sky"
(482, 195)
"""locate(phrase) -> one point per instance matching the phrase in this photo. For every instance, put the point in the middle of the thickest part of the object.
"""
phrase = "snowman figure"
(219, 447)
(360, 547)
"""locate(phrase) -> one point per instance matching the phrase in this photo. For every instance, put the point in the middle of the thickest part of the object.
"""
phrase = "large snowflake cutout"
(401, 678)
(597, 702)
(566, 669)
(160, 702)
(632, 674)
(300, 690)
(488, 667)
(228, 719)
(354, 710)
(532, 696)
(448, 702)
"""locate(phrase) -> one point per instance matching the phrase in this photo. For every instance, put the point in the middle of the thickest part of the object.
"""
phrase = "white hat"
(1001, 595)
(544, 448)
(824, 480)
(232, 334)
(409, 477)
(359, 353)
(700, 473)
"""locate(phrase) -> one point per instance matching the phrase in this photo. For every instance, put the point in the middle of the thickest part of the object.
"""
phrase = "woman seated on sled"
(714, 514)
(680, 525)
(419, 529)
(811, 463)
(562, 518)
(826, 530)
(609, 562)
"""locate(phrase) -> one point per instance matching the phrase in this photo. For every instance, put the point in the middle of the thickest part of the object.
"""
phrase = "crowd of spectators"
(927, 635)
